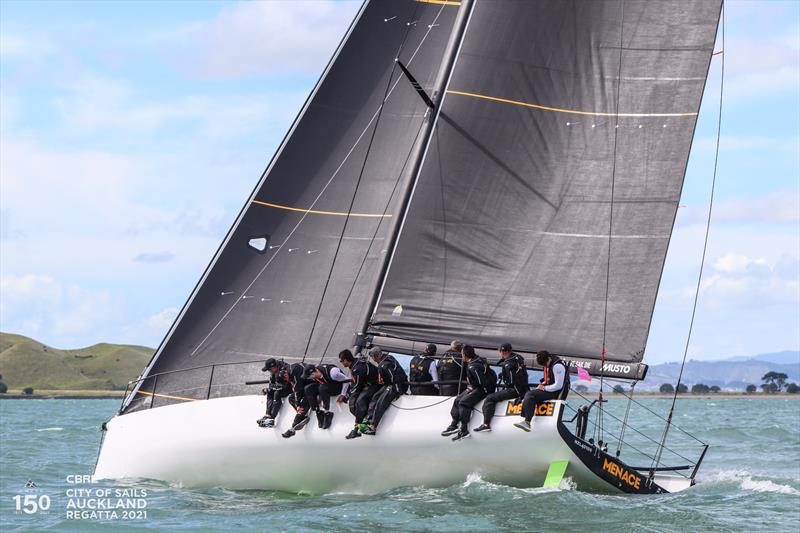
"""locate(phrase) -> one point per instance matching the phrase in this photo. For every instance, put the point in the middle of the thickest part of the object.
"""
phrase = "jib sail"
(294, 275)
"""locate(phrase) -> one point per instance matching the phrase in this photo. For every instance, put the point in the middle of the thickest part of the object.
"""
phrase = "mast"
(418, 155)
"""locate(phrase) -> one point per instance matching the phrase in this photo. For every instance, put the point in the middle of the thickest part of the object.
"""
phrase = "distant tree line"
(773, 382)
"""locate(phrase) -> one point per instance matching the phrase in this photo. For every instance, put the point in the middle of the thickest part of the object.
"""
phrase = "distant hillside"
(782, 358)
(734, 373)
(25, 362)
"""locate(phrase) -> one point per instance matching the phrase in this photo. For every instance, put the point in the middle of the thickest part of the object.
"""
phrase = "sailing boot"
(266, 422)
(450, 430)
(320, 418)
(328, 420)
(461, 435)
(524, 425)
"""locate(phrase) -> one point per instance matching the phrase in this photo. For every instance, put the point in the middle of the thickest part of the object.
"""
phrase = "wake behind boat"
(486, 171)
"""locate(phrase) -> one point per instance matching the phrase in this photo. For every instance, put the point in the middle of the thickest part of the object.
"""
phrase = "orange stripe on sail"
(571, 111)
(316, 212)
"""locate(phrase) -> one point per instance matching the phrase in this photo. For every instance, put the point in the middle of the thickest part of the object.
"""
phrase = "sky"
(131, 133)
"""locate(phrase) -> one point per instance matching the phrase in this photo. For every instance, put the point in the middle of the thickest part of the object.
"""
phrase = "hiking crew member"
(298, 376)
(365, 384)
(277, 389)
(330, 380)
(481, 380)
(514, 383)
(554, 382)
(450, 368)
(393, 382)
(423, 370)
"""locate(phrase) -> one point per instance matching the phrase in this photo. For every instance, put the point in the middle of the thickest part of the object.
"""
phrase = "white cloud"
(251, 38)
(35, 303)
(161, 321)
(732, 263)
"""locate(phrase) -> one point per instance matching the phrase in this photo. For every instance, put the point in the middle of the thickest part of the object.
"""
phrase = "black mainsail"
(548, 107)
(507, 236)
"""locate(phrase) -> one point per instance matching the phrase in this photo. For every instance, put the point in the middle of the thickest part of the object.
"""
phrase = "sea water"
(749, 481)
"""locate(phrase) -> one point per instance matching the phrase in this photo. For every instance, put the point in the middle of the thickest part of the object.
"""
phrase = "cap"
(375, 351)
(269, 363)
(505, 347)
(430, 349)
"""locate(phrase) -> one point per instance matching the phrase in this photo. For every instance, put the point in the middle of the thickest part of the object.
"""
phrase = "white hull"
(217, 443)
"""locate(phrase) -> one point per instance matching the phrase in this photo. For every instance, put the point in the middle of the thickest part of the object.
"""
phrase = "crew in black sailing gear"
(450, 368)
(423, 370)
(365, 384)
(298, 375)
(277, 389)
(393, 382)
(481, 380)
(554, 386)
(330, 380)
(513, 384)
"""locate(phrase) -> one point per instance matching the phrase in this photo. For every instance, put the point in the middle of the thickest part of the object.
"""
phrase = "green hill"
(25, 362)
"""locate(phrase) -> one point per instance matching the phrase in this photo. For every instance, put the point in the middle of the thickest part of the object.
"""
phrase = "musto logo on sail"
(625, 475)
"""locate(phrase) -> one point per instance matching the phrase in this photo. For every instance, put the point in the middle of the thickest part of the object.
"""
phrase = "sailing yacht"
(488, 171)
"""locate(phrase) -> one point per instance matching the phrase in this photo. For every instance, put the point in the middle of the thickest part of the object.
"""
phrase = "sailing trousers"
(461, 412)
(491, 402)
(321, 393)
(381, 402)
(359, 401)
(275, 400)
(533, 398)
(302, 404)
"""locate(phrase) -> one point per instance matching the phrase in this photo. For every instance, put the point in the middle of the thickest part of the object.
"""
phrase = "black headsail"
(294, 274)
(506, 237)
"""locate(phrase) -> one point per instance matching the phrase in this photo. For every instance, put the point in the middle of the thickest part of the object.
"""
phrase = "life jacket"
(278, 379)
(364, 374)
(391, 373)
(549, 376)
(481, 376)
(420, 369)
(449, 366)
(420, 372)
(513, 374)
(325, 370)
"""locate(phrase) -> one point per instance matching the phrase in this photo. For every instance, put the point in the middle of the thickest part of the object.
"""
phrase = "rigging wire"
(657, 459)
(316, 199)
(350, 207)
(599, 425)
(386, 93)
(366, 254)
